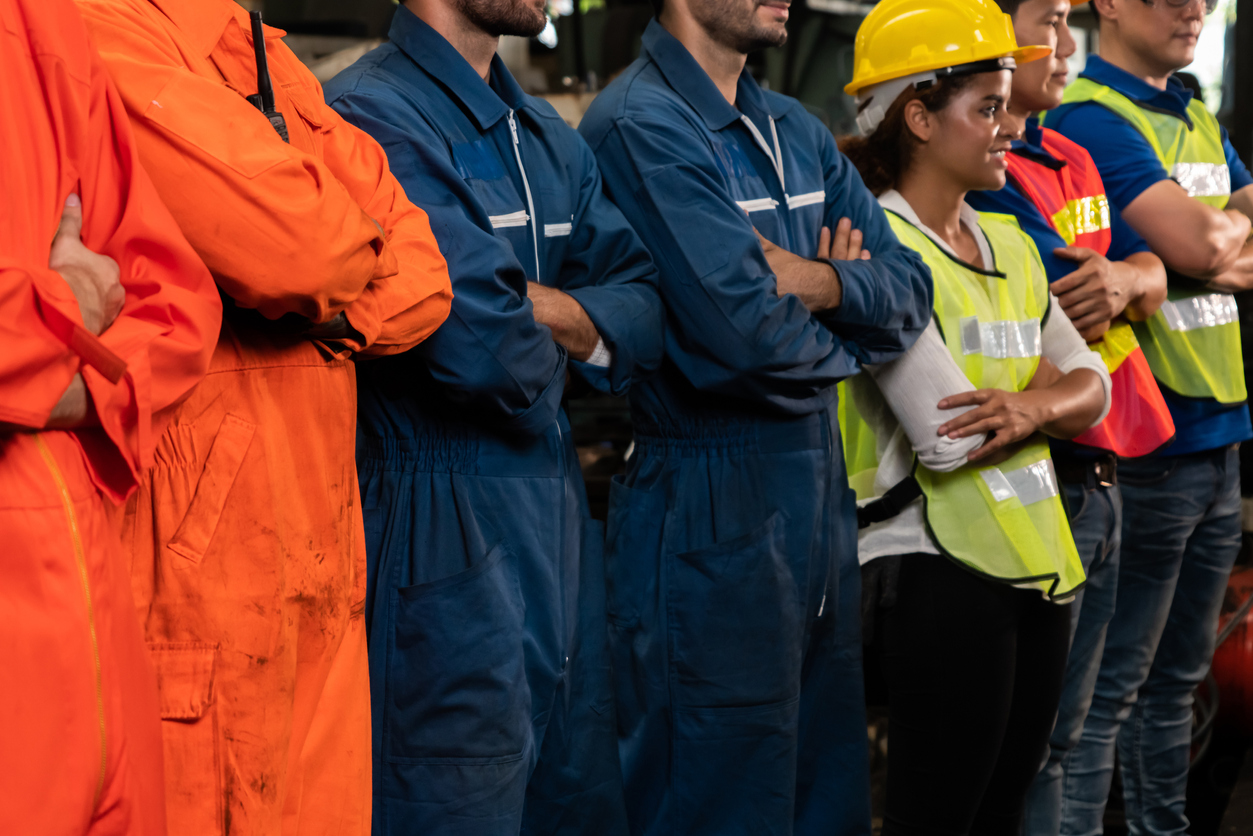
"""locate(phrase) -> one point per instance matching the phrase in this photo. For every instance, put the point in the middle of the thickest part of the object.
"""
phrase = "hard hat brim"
(1022, 55)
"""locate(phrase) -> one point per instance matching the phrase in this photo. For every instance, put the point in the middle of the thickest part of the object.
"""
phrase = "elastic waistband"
(762, 435)
(468, 452)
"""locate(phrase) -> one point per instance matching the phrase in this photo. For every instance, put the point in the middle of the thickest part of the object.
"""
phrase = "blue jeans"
(1180, 535)
(1096, 523)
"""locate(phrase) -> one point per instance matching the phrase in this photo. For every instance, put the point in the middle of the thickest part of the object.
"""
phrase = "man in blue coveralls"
(1169, 168)
(732, 543)
(493, 712)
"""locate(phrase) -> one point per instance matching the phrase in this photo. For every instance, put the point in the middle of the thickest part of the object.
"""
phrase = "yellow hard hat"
(905, 37)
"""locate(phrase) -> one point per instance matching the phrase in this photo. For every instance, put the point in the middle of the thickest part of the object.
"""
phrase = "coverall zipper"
(81, 560)
(530, 204)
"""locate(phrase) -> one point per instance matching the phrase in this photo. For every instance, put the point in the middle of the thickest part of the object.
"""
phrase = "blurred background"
(588, 42)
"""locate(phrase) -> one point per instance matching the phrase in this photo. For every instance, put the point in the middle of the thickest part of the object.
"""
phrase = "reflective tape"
(1202, 179)
(758, 205)
(1029, 484)
(1195, 312)
(518, 218)
(808, 199)
(557, 230)
(1001, 339)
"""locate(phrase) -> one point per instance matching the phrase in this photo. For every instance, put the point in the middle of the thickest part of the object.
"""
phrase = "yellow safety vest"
(1193, 342)
(1005, 522)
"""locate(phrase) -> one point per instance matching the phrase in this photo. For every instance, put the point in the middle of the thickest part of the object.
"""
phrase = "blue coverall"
(732, 542)
(492, 706)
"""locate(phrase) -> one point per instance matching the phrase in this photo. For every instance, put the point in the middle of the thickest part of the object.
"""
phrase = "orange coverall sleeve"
(276, 225)
(393, 313)
(159, 346)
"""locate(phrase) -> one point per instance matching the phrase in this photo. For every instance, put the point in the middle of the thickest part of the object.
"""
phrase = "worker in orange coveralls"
(107, 318)
(248, 553)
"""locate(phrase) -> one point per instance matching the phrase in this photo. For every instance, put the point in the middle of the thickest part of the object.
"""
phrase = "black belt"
(1095, 473)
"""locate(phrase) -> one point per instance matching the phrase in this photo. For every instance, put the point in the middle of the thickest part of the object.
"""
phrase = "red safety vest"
(1072, 197)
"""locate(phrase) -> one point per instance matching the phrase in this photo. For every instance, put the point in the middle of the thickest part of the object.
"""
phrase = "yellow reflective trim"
(1081, 216)
(81, 559)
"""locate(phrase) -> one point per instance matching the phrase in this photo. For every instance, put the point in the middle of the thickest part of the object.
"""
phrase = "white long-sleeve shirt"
(899, 400)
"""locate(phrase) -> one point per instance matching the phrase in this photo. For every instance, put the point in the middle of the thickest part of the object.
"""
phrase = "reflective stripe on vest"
(1001, 339)
(1200, 312)
(1007, 522)
(1193, 342)
(1071, 196)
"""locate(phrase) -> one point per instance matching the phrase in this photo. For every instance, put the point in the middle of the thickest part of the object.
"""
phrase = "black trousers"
(974, 671)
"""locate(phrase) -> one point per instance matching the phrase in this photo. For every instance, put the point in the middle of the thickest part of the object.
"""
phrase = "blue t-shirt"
(1128, 166)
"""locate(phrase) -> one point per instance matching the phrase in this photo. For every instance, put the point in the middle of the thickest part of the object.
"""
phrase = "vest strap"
(890, 504)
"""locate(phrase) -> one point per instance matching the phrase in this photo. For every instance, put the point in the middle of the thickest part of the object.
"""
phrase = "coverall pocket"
(735, 621)
(189, 729)
(456, 676)
(195, 532)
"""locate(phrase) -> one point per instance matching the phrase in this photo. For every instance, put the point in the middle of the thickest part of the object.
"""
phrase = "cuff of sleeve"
(601, 356)
(854, 296)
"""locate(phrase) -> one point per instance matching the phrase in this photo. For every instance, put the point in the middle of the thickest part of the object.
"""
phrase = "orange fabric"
(246, 536)
(284, 228)
(80, 745)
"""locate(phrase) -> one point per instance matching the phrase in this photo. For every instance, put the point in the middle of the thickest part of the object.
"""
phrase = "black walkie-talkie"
(263, 100)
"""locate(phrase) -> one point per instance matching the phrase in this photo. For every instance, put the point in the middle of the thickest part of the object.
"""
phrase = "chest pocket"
(745, 186)
(480, 167)
(301, 110)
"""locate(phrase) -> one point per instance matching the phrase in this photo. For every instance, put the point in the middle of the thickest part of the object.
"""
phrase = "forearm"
(1070, 405)
(1146, 283)
(571, 326)
(817, 285)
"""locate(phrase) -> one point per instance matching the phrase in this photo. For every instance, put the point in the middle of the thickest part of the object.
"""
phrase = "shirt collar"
(893, 201)
(687, 78)
(202, 22)
(487, 103)
(1174, 99)
(1032, 147)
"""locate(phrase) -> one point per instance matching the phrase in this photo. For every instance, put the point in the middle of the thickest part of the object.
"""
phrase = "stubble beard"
(736, 27)
(504, 17)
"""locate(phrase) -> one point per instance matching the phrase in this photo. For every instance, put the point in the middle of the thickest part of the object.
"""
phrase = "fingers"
(71, 225)
(854, 244)
(1079, 254)
(824, 243)
(979, 396)
(839, 241)
(865, 255)
(995, 442)
(1069, 282)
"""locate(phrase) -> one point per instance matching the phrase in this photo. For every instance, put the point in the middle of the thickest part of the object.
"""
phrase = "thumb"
(71, 225)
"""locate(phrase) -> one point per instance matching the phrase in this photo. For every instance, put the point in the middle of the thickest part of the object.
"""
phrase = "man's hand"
(1096, 292)
(73, 408)
(94, 278)
(570, 324)
(816, 283)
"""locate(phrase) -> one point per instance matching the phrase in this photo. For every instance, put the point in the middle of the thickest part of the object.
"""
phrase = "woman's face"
(970, 137)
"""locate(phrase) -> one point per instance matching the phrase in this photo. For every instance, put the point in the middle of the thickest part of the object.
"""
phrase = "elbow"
(1153, 288)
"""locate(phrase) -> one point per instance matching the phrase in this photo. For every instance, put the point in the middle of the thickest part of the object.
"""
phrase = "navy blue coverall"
(492, 706)
(732, 542)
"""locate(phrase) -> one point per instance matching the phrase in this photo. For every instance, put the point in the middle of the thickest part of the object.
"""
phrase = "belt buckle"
(1105, 474)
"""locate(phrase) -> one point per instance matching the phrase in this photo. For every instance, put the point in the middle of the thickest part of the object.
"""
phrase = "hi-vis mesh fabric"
(1006, 522)
(1193, 342)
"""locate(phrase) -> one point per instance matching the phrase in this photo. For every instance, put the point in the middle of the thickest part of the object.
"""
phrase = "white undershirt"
(899, 399)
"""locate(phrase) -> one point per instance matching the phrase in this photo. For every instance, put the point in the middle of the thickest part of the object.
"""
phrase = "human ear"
(919, 120)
